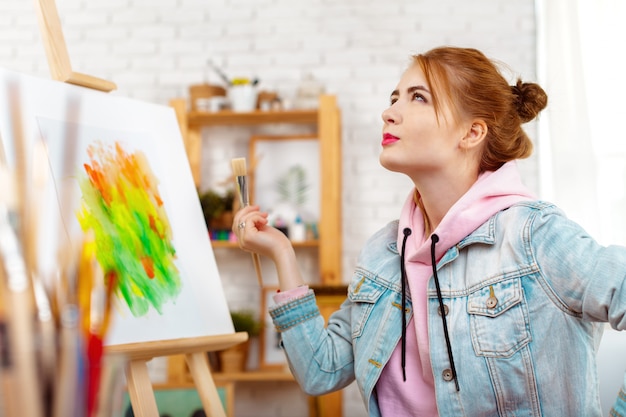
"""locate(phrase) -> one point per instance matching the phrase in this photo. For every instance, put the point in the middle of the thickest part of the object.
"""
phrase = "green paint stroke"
(121, 205)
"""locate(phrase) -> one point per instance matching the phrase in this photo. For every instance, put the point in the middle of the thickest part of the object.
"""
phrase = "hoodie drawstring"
(434, 239)
(406, 232)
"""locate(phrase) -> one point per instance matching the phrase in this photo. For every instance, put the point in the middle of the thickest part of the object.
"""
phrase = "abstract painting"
(122, 207)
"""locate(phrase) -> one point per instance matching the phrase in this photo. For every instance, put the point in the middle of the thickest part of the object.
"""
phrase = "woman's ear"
(475, 135)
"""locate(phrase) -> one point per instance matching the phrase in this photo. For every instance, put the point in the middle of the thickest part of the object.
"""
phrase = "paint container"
(201, 94)
(242, 97)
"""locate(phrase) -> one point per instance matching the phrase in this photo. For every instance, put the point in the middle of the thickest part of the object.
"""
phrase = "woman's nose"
(390, 115)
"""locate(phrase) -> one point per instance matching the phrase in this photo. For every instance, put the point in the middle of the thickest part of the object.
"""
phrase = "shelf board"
(233, 245)
(248, 376)
(278, 375)
(228, 117)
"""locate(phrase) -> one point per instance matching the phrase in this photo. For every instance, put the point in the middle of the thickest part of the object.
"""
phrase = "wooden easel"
(56, 50)
(195, 351)
(138, 354)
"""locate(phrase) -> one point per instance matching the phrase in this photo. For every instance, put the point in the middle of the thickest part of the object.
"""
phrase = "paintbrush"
(21, 330)
(220, 73)
(13, 249)
(241, 180)
(46, 324)
(9, 381)
(67, 392)
(95, 290)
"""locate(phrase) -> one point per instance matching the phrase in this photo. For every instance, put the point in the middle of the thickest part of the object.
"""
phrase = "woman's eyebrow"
(417, 88)
(411, 90)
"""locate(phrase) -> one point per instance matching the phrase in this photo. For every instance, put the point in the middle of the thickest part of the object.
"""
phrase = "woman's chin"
(388, 162)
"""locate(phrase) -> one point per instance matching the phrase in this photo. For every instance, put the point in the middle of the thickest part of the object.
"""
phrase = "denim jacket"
(530, 351)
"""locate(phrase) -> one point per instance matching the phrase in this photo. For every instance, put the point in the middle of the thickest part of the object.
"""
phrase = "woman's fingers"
(240, 215)
(251, 223)
(239, 220)
(254, 234)
(246, 225)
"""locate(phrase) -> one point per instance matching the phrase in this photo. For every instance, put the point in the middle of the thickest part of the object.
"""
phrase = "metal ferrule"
(242, 186)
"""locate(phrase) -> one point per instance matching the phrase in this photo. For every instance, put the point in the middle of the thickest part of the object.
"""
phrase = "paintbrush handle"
(256, 259)
(21, 327)
(67, 389)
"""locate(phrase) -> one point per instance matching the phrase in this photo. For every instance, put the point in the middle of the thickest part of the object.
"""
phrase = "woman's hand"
(254, 234)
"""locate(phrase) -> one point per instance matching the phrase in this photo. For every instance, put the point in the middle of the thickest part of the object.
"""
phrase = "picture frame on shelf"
(271, 353)
(285, 181)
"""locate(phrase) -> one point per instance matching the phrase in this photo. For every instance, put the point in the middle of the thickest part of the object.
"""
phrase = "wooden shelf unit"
(327, 118)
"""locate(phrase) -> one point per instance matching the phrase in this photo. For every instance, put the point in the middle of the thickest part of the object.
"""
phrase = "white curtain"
(582, 133)
(582, 136)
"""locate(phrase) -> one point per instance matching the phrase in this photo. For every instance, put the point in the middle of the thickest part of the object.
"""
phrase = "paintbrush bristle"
(239, 167)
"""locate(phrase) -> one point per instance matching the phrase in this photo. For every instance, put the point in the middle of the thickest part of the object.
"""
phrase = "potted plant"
(289, 215)
(234, 359)
(246, 321)
(217, 209)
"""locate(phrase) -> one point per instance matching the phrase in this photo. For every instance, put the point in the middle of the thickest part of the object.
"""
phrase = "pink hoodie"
(492, 192)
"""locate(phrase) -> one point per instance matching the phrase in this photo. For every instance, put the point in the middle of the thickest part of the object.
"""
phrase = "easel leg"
(199, 367)
(140, 389)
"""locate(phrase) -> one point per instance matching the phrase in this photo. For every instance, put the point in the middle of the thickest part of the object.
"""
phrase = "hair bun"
(529, 99)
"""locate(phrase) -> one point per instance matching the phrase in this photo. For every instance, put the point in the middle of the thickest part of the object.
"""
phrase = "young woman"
(480, 300)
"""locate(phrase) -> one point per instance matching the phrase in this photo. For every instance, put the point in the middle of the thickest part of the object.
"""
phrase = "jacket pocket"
(498, 319)
(363, 292)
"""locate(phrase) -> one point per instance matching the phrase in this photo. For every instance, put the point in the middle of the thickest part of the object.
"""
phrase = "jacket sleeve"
(587, 279)
(321, 358)
(590, 279)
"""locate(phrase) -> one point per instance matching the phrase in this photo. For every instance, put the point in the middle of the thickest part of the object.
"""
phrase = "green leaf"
(292, 187)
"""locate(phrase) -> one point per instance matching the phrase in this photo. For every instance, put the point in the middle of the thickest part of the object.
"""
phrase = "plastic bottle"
(297, 230)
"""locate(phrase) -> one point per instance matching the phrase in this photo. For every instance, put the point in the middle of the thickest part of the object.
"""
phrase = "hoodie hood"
(492, 192)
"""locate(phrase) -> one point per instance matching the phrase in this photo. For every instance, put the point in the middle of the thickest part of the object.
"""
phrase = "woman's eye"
(419, 97)
(393, 100)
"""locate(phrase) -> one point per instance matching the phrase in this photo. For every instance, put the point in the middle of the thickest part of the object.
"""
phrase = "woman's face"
(414, 140)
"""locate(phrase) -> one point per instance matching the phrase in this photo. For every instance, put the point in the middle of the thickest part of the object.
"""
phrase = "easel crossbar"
(195, 350)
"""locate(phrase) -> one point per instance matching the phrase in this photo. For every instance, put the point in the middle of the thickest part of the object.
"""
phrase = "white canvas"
(67, 119)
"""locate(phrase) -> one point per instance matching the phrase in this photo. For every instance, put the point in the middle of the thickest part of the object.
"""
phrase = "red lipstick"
(388, 139)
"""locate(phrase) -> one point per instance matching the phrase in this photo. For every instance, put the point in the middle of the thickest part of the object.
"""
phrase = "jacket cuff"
(294, 312)
(619, 408)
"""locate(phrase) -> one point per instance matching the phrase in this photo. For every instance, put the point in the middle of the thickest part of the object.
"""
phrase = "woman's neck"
(435, 199)
(420, 205)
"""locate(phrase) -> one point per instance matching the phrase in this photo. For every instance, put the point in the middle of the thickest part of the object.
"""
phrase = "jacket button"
(445, 310)
(447, 375)
(492, 302)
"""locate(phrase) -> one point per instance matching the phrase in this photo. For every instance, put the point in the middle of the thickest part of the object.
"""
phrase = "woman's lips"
(388, 139)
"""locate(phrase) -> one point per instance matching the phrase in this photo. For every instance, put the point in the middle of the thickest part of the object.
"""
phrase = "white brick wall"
(154, 49)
